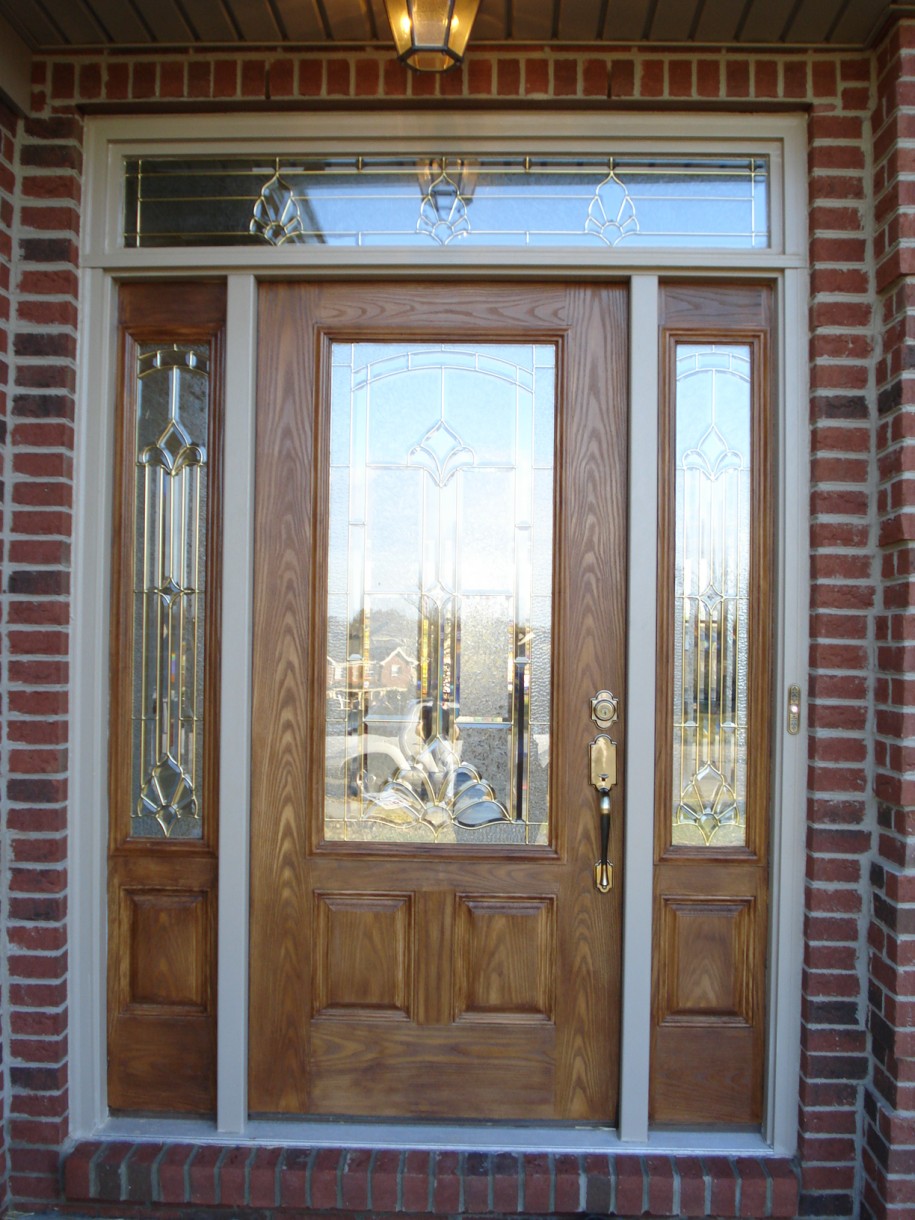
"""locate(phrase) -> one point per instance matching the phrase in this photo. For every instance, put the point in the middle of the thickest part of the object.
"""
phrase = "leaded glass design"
(581, 201)
(169, 589)
(439, 592)
(712, 574)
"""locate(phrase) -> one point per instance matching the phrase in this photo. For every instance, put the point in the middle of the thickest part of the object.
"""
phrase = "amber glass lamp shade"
(431, 35)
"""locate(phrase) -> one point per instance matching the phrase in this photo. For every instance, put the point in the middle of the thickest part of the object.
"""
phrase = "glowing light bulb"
(406, 24)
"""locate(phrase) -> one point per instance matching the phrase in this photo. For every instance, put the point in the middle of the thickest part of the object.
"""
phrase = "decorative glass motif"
(439, 599)
(171, 489)
(276, 217)
(575, 200)
(611, 215)
(712, 574)
(443, 211)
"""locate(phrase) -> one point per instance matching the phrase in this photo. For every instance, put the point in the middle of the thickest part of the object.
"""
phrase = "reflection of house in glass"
(439, 612)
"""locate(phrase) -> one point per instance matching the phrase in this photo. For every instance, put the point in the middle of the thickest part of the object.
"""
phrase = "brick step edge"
(410, 1182)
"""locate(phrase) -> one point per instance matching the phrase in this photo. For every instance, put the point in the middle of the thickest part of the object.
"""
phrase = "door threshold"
(453, 1136)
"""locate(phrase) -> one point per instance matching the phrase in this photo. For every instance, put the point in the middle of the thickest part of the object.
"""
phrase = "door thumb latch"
(602, 753)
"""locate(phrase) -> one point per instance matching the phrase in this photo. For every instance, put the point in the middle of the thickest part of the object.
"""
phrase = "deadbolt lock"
(604, 709)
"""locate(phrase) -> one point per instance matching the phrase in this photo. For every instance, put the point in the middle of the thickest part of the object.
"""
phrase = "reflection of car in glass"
(380, 744)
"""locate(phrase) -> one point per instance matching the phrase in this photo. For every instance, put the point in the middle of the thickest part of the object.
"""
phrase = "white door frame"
(104, 260)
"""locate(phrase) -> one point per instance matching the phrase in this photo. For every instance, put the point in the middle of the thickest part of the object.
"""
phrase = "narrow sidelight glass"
(711, 591)
(169, 589)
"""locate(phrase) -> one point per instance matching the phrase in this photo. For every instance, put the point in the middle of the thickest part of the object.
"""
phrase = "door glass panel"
(439, 592)
(169, 567)
(712, 571)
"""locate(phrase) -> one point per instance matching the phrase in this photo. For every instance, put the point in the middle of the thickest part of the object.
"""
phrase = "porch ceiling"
(46, 25)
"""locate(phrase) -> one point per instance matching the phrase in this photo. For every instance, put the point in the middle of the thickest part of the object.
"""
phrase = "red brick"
(324, 1179)
(651, 81)
(262, 1175)
(233, 1174)
(508, 77)
(416, 1182)
(536, 76)
(168, 1181)
(565, 77)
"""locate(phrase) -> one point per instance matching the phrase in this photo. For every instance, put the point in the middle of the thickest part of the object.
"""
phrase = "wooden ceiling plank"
(255, 20)
(579, 20)
(120, 20)
(766, 20)
(348, 22)
(166, 22)
(30, 24)
(813, 21)
(859, 21)
(491, 23)
(76, 24)
(626, 20)
(300, 17)
(210, 21)
(532, 19)
(718, 21)
(673, 20)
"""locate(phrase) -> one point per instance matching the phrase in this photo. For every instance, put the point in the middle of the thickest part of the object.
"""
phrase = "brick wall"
(9, 126)
(41, 417)
(837, 91)
(889, 1155)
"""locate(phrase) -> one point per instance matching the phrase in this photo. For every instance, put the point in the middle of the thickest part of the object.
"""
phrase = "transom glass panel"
(439, 592)
(712, 570)
(582, 201)
(169, 579)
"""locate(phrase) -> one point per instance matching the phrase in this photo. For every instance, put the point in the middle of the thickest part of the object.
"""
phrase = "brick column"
(840, 812)
(37, 576)
(889, 1154)
(9, 129)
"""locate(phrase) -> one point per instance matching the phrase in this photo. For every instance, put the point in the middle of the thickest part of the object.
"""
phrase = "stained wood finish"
(711, 904)
(435, 982)
(162, 892)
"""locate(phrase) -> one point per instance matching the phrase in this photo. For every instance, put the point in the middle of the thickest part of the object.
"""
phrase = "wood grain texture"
(167, 932)
(504, 958)
(341, 1062)
(709, 961)
(162, 892)
(363, 955)
(720, 960)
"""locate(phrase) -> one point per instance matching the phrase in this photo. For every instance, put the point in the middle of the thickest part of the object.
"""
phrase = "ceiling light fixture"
(431, 35)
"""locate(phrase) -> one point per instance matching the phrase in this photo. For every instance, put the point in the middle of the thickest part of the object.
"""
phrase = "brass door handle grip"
(602, 753)
(603, 869)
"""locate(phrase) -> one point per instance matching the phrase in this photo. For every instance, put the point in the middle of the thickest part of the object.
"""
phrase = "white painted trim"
(89, 661)
(789, 777)
(640, 712)
(235, 705)
(458, 1137)
(91, 601)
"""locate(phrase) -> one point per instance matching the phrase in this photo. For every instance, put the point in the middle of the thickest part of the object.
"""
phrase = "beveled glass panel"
(439, 606)
(585, 200)
(169, 589)
(712, 576)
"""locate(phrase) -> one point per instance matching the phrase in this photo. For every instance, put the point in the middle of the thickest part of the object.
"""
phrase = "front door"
(440, 589)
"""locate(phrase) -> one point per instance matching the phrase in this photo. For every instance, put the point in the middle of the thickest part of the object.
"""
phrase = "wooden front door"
(440, 589)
